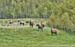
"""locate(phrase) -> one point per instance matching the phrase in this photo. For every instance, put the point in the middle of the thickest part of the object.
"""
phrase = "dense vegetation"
(61, 12)
(26, 8)
(63, 15)
(22, 8)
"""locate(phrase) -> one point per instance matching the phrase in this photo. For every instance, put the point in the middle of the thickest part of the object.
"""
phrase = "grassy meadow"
(16, 16)
(29, 37)
(32, 37)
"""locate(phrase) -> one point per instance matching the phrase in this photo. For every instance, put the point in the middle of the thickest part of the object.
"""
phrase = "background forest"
(16, 16)
(60, 13)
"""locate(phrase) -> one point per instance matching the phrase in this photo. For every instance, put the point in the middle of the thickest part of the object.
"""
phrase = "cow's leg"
(42, 29)
(55, 33)
(23, 24)
(52, 33)
(32, 25)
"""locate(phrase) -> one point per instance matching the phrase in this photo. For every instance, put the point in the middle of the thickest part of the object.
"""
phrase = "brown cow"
(31, 23)
(54, 31)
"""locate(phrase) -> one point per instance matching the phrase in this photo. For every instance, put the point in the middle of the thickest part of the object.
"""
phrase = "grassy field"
(29, 37)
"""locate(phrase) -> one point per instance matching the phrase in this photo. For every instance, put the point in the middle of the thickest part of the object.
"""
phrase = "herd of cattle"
(31, 24)
(40, 25)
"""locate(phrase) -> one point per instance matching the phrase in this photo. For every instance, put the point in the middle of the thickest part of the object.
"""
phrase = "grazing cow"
(40, 26)
(31, 23)
(27, 21)
(10, 22)
(54, 31)
(18, 20)
(21, 22)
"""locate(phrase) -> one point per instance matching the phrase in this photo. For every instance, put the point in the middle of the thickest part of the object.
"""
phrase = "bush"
(63, 16)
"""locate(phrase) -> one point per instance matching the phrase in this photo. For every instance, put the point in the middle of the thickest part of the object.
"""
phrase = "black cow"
(27, 21)
(10, 22)
(40, 26)
(21, 22)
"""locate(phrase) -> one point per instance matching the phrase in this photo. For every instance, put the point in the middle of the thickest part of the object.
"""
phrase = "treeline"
(63, 15)
(26, 8)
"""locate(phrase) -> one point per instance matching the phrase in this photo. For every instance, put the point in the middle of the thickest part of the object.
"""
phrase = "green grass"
(29, 37)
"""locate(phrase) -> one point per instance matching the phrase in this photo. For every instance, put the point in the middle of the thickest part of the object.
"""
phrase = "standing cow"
(21, 22)
(40, 26)
(54, 31)
(31, 23)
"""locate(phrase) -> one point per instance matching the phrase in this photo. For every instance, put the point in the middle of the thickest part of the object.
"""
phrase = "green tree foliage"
(32, 8)
(25, 8)
(63, 15)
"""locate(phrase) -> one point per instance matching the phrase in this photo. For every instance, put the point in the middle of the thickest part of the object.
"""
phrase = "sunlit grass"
(24, 37)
